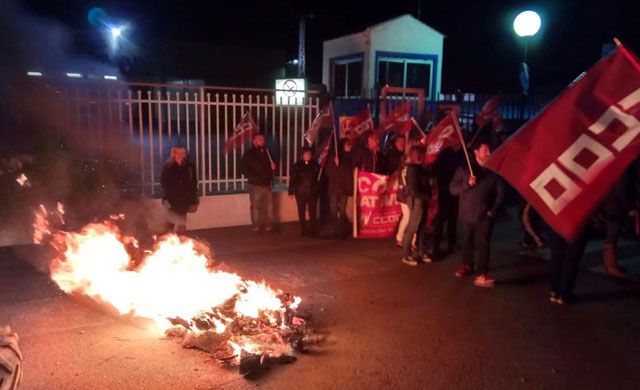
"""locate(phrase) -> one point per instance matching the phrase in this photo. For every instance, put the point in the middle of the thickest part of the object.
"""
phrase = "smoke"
(38, 138)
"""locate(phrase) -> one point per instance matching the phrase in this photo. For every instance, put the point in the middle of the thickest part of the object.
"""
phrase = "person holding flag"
(481, 194)
(443, 153)
(303, 185)
(258, 167)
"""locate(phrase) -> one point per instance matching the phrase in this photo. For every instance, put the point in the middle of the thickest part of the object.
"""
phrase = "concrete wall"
(233, 210)
(343, 46)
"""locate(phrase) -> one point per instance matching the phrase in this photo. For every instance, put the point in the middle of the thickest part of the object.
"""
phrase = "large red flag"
(442, 136)
(242, 133)
(566, 159)
(354, 126)
(490, 113)
(398, 120)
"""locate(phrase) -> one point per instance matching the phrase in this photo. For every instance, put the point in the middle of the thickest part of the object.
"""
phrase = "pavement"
(389, 326)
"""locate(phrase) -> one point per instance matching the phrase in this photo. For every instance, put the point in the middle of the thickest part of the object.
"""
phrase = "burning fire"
(175, 282)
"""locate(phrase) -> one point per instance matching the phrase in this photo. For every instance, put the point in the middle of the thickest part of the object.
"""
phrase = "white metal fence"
(150, 118)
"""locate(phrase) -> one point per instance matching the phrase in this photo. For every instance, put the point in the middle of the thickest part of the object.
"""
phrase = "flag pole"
(333, 126)
(355, 203)
(464, 146)
(418, 127)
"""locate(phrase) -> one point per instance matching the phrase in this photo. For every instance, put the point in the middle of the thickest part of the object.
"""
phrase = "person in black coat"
(445, 168)
(303, 184)
(481, 196)
(179, 182)
(367, 157)
(417, 194)
(340, 175)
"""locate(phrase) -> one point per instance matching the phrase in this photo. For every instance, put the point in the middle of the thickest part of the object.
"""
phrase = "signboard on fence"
(378, 211)
(290, 92)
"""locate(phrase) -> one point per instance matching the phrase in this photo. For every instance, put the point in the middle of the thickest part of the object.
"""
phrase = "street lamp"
(116, 32)
(526, 24)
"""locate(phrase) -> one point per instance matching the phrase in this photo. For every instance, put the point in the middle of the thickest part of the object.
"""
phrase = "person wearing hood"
(179, 182)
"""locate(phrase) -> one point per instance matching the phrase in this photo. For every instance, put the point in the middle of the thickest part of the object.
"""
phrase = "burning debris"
(178, 286)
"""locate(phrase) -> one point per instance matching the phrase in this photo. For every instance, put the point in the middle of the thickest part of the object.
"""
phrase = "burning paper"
(175, 283)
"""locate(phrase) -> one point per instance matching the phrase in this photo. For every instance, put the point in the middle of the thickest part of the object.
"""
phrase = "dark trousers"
(613, 231)
(477, 243)
(447, 215)
(338, 206)
(416, 219)
(565, 261)
(307, 203)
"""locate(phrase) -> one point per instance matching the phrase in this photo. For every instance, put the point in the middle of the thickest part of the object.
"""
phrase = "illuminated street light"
(74, 75)
(110, 77)
(527, 23)
(116, 32)
(34, 74)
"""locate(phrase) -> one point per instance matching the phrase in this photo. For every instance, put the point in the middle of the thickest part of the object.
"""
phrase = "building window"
(347, 78)
(406, 73)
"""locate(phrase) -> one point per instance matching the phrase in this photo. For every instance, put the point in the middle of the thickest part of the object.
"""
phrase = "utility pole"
(301, 46)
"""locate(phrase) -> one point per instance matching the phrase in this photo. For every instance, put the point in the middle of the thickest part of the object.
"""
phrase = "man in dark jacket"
(179, 182)
(340, 175)
(303, 184)
(445, 168)
(393, 156)
(258, 167)
(367, 157)
(481, 195)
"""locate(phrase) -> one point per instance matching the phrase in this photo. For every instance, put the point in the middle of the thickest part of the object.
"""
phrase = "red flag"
(323, 119)
(353, 126)
(442, 136)
(396, 121)
(242, 133)
(566, 159)
(490, 113)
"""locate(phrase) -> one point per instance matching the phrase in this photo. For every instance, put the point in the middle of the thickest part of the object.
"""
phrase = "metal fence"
(151, 118)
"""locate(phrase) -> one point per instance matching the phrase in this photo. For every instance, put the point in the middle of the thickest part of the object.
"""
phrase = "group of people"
(469, 196)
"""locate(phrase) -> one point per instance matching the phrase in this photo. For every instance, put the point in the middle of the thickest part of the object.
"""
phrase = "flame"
(173, 280)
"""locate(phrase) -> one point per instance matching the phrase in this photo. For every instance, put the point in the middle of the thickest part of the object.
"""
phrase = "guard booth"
(401, 52)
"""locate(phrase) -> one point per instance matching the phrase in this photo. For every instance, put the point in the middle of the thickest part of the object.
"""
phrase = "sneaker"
(410, 261)
(483, 281)
(553, 297)
(256, 229)
(426, 259)
(464, 270)
(268, 228)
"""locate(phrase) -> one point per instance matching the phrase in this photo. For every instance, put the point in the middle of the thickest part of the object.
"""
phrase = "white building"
(401, 52)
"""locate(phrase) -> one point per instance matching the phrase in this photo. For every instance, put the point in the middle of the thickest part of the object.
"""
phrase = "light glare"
(527, 23)
(116, 32)
(34, 74)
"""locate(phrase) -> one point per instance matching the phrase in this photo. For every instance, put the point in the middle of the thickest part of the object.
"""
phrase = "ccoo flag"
(322, 120)
(354, 126)
(242, 133)
(442, 136)
(566, 159)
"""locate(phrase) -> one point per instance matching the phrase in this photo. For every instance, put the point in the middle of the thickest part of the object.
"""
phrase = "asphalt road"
(390, 326)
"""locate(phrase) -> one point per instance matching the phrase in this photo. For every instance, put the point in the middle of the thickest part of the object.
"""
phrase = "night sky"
(481, 52)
